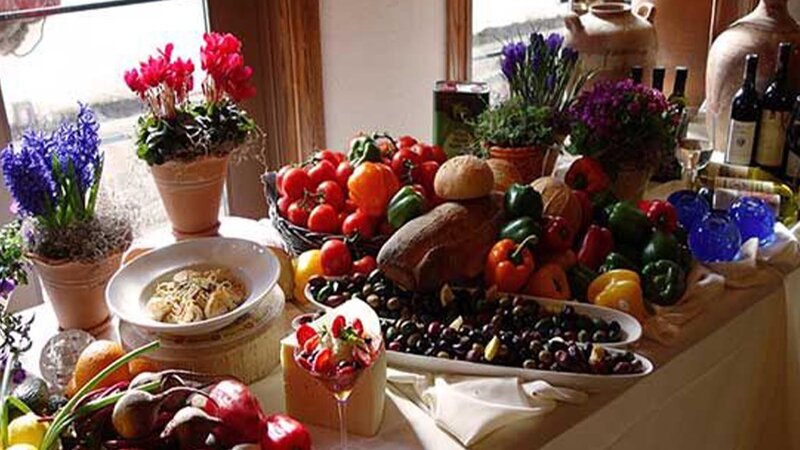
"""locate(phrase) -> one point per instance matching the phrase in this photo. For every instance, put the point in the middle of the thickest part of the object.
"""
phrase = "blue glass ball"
(689, 206)
(754, 218)
(715, 238)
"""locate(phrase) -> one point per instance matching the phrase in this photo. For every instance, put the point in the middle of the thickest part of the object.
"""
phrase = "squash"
(558, 200)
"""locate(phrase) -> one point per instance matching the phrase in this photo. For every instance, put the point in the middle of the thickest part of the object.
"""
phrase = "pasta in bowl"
(193, 287)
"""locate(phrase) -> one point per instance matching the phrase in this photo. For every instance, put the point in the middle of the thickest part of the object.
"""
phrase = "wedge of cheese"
(308, 401)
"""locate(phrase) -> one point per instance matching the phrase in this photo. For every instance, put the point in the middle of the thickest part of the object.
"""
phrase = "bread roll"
(463, 177)
(505, 174)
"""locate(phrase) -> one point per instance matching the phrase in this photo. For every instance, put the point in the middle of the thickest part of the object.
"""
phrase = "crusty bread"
(447, 244)
(463, 177)
(505, 174)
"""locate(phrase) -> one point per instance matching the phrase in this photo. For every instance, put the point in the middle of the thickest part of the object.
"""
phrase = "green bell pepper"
(363, 149)
(519, 229)
(522, 200)
(664, 282)
(579, 278)
(615, 261)
(628, 224)
(661, 246)
(600, 202)
(406, 204)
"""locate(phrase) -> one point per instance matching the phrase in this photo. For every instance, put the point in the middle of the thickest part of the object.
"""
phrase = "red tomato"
(295, 182)
(323, 219)
(335, 258)
(365, 265)
(385, 229)
(405, 163)
(332, 194)
(349, 206)
(372, 186)
(426, 174)
(329, 155)
(297, 213)
(343, 172)
(438, 155)
(321, 171)
(406, 142)
(279, 178)
(358, 222)
(424, 151)
(283, 205)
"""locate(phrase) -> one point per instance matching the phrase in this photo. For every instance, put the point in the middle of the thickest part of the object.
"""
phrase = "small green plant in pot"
(12, 260)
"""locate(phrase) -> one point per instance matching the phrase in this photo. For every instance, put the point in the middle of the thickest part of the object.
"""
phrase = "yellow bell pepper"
(625, 296)
(306, 266)
(600, 283)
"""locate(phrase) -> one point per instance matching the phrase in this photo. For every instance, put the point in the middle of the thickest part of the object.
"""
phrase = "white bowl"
(130, 288)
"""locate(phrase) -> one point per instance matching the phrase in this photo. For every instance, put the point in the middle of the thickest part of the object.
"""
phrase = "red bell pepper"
(239, 411)
(587, 174)
(661, 214)
(509, 265)
(284, 433)
(586, 208)
(597, 244)
(558, 235)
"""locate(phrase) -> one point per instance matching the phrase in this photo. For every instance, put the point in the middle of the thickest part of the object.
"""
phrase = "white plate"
(129, 289)
(584, 382)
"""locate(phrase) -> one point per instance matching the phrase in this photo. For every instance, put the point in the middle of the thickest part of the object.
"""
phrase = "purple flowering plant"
(55, 177)
(621, 122)
(12, 259)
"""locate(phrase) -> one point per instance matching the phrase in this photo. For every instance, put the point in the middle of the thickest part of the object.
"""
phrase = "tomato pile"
(351, 194)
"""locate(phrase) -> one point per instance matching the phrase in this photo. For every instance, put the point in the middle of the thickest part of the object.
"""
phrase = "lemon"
(26, 432)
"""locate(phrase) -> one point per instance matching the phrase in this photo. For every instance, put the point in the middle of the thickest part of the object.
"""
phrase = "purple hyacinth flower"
(79, 144)
(513, 54)
(554, 42)
(28, 176)
(7, 286)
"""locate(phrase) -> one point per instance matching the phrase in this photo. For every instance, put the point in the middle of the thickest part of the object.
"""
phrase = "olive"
(504, 303)
(623, 367)
(422, 345)
(628, 356)
(518, 301)
(519, 311)
(569, 335)
(412, 340)
(374, 301)
(529, 364)
(443, 354)
(405, 313)
(613, 335)
(449, 334)
(599, 336)
(555, 345)
(431, 351)
(488, 331)
(475, 335)
(474, 356)
(317, 281)
(395, 346)
(408, 326)
(358, 278)
(562, 357)
(379, 289)
(568, 310)
(374, 276)
(390, 333)
(478, 348)
(535, 347)
(573, 352)
(442, 344)
(335, 300)
(434, 329)
(583, 336)
(366, 290)
(545, 357)
(598, 322)
(393, 304)
(497, 321)
(543, 324)
(347, 295)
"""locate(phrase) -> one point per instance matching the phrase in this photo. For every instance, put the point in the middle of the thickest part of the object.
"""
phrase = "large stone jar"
(758, 32)
(611, 38)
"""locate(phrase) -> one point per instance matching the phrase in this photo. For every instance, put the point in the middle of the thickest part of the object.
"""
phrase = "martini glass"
(338, 370)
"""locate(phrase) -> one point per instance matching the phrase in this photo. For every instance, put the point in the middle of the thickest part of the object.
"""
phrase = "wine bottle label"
(724, 198)
(744, 184)
(792, 166)
(772, 137)
(730, 170)
(741, 136)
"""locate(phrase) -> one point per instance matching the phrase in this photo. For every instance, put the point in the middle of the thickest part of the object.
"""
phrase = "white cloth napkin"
(470, 408)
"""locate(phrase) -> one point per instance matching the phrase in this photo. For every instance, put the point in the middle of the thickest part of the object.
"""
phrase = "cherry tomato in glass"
(358, 222)
(405, 163)
(405, 142)
(365, 265)
(343, 172)
(438, 155)
(335, 258)
(321, 171)
(298, 213)
(323, 219)
(283, 205)
(332, 194)
(424, 151)
(295, 183)
(279, 178)
(372, 186)
(329, 155)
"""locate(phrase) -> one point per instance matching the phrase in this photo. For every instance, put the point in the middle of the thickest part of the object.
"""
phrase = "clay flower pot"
(191, 193)
(630, 181)
(531, 162)
(77, 291)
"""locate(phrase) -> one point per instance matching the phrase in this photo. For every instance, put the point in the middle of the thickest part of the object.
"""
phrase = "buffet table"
(729, 380)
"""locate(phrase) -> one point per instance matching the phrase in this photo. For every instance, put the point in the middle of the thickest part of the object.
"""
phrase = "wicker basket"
(299, 239)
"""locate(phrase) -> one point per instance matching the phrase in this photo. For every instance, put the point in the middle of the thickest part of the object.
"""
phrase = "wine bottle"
(678, 95)
(791, 154)
(637, 73)
(776, 110)
(715, 169)
(658, 78)
(745, 112)
(728, 189)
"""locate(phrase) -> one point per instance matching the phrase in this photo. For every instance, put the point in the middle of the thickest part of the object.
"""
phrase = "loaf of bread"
(463, 177)
(448, 244)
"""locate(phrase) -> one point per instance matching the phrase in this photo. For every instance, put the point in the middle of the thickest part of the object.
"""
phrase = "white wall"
(380, 59)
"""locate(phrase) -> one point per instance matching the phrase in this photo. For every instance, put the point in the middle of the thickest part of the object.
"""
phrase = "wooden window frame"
(458, 62)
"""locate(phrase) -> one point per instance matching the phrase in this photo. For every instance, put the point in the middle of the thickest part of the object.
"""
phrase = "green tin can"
(455, 105)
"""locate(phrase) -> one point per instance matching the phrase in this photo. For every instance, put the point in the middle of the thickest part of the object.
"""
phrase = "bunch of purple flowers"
(542, 71)
(55, 177)
(623, 121)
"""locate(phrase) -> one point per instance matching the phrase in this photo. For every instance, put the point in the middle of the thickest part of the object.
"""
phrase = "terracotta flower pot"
(191, 193)
(630, 182)
(77, 291)
(531, 162)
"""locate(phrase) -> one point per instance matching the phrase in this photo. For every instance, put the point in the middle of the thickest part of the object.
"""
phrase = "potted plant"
(543, 79)
(12, 260)
(188, 144)
(54, 181)
(628, 127)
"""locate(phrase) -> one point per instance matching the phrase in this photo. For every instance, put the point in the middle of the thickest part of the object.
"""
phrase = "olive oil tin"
(455, 105)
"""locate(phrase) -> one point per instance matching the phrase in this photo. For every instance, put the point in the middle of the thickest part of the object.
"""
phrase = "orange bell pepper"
(509, 265)
(549, 281)
(620, 290)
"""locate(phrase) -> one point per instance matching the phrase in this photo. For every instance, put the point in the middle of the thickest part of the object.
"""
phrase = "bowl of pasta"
(193, 287)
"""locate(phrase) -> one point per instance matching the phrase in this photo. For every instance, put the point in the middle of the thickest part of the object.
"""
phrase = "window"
(48, 64)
